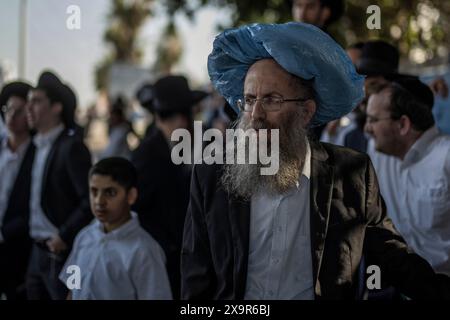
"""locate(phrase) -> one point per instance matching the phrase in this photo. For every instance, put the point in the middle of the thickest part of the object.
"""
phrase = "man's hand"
(439, 87)
(56, 244)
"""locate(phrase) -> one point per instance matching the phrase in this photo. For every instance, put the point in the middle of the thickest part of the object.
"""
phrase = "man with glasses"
(302, 232)
(412, 160)
(16, 159)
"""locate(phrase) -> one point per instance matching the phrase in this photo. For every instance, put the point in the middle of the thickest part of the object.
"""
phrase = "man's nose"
(258, 111)
(99, 200)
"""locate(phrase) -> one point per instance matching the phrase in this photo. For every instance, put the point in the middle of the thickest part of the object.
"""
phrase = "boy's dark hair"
(119, 169)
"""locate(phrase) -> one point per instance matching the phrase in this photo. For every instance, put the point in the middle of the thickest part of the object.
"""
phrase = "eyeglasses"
(372, 119)
(11, 110)
(268, 103)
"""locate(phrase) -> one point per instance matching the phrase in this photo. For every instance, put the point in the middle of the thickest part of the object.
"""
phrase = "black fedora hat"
(172, 94)
(17, 89)
(70, 105)
(60, 92)
(378, 58)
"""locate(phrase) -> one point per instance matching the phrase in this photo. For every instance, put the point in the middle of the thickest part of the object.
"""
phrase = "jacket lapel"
(239, 215)
(48, 163)
(322, 176)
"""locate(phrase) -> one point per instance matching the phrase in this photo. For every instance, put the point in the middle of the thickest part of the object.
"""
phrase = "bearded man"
(301, 233)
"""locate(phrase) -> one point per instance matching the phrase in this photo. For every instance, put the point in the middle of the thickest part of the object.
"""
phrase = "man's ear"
(405, 125)
(325, 14)
(132, 196)
(309, 108)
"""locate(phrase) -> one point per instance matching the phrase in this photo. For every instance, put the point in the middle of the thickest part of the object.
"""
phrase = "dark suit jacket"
(65, 189)
(348, 218)
(14, 251)
(163, 198)
(15, 220)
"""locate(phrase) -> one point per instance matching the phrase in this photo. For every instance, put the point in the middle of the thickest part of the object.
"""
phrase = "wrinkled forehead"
(267, 73)
(266, 66)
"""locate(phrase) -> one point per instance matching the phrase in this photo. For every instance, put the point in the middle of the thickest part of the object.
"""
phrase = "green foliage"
(125, 20)
(169, 50)
(408, 24)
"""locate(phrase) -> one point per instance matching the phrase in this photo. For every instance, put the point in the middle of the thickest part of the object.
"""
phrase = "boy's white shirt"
(126, 264)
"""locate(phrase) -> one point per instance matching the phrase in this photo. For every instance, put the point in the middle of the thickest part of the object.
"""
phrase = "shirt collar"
(419, 148)
(121, 231)
(44, 139)
(20, 150)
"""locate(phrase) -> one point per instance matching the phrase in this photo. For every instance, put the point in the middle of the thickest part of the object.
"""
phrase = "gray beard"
(245, 180)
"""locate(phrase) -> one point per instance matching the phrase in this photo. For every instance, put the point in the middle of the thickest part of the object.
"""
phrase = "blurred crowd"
(62, 204)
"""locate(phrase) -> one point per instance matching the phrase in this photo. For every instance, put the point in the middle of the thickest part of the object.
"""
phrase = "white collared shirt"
(124, 264)
(417, 195)
(40, 227)
(279, 261)
(10, 163)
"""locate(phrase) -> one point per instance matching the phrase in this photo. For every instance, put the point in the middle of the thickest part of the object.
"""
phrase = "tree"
(417, 27)
(125, 20)
(169, 49)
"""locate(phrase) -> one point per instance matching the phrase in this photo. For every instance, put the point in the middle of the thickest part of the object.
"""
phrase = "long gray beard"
(245, 180)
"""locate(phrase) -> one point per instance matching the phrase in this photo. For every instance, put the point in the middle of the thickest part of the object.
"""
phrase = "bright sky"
(73, 54)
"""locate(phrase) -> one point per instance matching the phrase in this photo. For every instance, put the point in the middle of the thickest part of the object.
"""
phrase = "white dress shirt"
(40, 227)
(124, 264)
(417, 195)
(10, 163)
(279, 261)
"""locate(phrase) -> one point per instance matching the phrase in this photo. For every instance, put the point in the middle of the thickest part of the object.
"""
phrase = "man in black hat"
(145, 97)
(412, 161)
(16, 159)
(164, 186)
(59, 205)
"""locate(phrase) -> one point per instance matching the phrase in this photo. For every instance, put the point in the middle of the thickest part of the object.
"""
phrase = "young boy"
(116, 258)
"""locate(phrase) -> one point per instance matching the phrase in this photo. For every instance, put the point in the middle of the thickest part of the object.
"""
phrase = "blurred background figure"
(320, 13)
(412, 161)
(16, 159)
(164, 186)
(119, 128)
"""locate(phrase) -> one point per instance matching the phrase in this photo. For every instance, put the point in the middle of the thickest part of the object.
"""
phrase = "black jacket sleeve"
(197, 271)
(78, 163)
